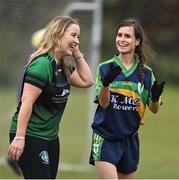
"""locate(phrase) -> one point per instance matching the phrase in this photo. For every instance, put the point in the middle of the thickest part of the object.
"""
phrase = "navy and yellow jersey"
(48, 75)
(128, 100)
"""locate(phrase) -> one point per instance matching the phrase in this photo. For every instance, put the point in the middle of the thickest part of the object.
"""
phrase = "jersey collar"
(127, 72)
(53, 58)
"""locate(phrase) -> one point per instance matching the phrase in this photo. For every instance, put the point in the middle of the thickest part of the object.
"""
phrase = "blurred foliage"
(160, 21)
(19, 19)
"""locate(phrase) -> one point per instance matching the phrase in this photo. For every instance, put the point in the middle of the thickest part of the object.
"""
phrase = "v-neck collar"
(127, 72)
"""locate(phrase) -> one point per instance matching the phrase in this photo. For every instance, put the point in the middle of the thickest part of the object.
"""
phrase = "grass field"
(159, 137)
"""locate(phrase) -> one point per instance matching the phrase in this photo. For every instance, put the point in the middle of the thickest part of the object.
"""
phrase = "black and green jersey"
(128, 100)
(45, 73)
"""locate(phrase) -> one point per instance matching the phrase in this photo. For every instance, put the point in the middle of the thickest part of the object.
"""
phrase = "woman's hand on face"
(77, 54)
(16, 149)
(76, 51)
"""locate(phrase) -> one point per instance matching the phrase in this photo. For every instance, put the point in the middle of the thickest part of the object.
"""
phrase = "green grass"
(160, 140)
(159, 137)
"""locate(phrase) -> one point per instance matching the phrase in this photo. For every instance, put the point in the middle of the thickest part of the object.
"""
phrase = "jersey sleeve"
(98, 85)
(39, 72)
(152, 82)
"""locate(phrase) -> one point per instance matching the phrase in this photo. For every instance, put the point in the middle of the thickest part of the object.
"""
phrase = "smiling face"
(126, 41)
(70, 40)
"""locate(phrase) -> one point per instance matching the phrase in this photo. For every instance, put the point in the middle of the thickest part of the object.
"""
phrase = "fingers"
(15, 150)
(155, 84)
(15, 153)
(111, 75)
(161, 85)
(114, 74)
(76, 50)
(116, 70)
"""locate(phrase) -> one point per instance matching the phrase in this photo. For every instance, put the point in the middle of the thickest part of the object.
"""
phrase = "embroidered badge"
(44, 157)
(140, 87)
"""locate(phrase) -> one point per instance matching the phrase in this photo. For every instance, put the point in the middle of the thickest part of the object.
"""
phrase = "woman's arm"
(82, 76)
(156, 91)
(154, 106)
(104, 97)
(30, 94)
(104, 94)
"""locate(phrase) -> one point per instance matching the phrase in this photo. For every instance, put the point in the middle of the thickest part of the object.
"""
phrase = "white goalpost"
(94, 52)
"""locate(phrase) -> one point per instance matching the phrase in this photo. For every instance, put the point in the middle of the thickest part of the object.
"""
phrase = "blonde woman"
(46, 87)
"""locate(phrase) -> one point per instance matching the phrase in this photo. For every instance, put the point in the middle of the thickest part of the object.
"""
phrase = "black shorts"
(40, 158)
(124, 154)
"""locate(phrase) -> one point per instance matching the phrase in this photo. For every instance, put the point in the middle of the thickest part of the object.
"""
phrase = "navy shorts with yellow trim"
(124, 154)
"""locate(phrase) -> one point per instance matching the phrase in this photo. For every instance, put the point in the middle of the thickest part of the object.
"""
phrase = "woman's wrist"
(78, 56)
(19, 138)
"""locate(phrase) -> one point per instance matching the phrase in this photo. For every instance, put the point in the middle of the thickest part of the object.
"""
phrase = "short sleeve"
(98, 85)
(152, 82)
(39, 72)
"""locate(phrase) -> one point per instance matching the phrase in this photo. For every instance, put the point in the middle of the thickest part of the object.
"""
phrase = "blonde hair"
(54, 31)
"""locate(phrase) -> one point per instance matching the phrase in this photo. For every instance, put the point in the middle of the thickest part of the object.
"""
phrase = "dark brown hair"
(143, 50)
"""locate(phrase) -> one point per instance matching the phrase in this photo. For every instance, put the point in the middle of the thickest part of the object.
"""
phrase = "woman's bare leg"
(106, 170)
(126, 176)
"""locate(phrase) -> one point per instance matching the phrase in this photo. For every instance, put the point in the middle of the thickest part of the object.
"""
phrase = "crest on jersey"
(140, 87)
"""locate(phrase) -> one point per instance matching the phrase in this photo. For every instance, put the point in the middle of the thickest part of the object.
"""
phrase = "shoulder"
(40, 63)
(148, 68)
(149, 76)
(42, 60)
(106, 65)
(40, 67)
(106, 62)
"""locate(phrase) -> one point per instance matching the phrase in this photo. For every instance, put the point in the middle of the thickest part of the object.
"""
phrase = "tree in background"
(160, 21)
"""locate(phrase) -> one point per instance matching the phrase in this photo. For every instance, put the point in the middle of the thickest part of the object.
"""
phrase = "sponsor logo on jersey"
(62, 97)
(127, 104)
(65, 92)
